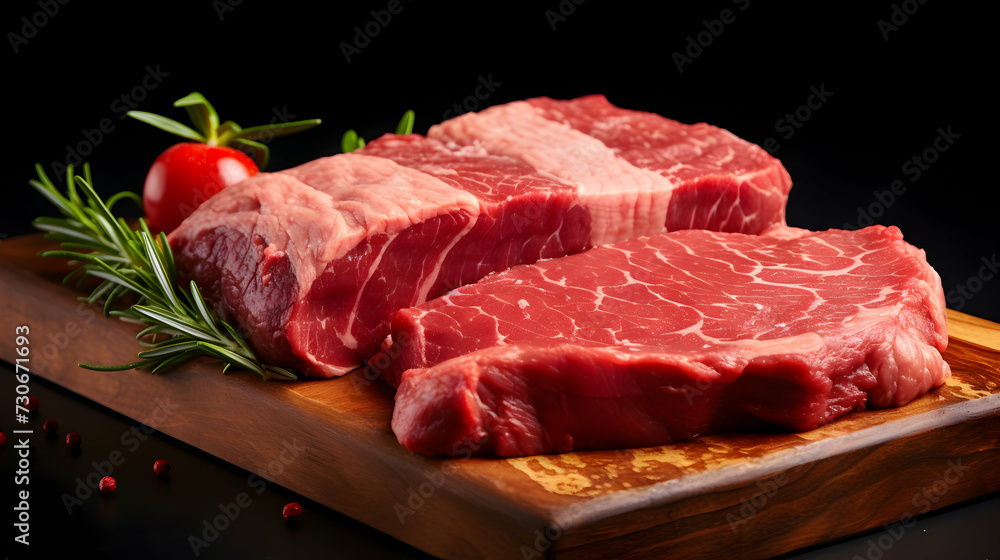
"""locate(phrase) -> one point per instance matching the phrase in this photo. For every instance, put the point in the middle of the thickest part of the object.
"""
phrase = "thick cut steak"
(648, 173)
(313, 261)
(668, 337)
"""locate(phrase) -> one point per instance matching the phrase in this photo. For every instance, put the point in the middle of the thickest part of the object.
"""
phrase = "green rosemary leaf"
(168, 255)
(156, 263)
(122, 280)
(167, 333)
(236, 336)
(45, 187)
(92, 246)
(284, 372)
(199, 304)
(150, 333)
(116, 290)
(113, 199)
(230, 356)
(174, 360)
(166, 318)
(60, 230)
(122, 367)
(167, 350)
(92, 258)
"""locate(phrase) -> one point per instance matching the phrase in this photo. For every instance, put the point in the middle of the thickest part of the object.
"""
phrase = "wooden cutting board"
(733, 495)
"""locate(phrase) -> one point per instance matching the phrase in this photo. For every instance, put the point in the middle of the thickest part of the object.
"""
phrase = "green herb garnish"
(350, 141)
(179, 324)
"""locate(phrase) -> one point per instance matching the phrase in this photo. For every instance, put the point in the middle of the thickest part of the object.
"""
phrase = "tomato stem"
(208, 130)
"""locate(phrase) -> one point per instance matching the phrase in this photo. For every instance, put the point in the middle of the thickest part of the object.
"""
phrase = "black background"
(889, 96)
(892, 87)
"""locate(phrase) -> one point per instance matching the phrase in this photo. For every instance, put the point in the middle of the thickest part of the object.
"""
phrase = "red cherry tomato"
(186, 175)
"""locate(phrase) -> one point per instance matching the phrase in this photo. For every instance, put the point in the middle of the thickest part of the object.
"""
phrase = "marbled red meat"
(313, 261)
(666, 338)
(646, 173)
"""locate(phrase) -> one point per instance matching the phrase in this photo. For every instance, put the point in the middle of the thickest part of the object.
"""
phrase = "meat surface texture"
(669, 337)
(313, 261)
(638, 173)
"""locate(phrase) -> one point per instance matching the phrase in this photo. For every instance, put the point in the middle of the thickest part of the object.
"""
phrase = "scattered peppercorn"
(291, 511)
(107, 485)
(161, 467)
(50, 426)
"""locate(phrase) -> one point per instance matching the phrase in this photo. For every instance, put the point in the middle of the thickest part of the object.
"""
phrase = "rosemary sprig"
(179, 324)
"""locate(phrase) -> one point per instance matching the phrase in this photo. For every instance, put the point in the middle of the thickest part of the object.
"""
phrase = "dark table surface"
(207, 508)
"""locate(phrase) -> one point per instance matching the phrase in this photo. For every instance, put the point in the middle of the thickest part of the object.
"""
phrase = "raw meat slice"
(313, 261)
(646, 171)
(668, 337)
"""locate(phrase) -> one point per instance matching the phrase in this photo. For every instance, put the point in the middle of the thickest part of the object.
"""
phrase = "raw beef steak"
(312, 262)
(668, 337)
(650, 174)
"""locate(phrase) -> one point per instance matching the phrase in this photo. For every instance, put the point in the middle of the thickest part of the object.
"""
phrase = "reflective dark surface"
(202, 508)
(206, 508)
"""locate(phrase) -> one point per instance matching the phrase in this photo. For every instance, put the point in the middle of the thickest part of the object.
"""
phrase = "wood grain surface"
(730, 495)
